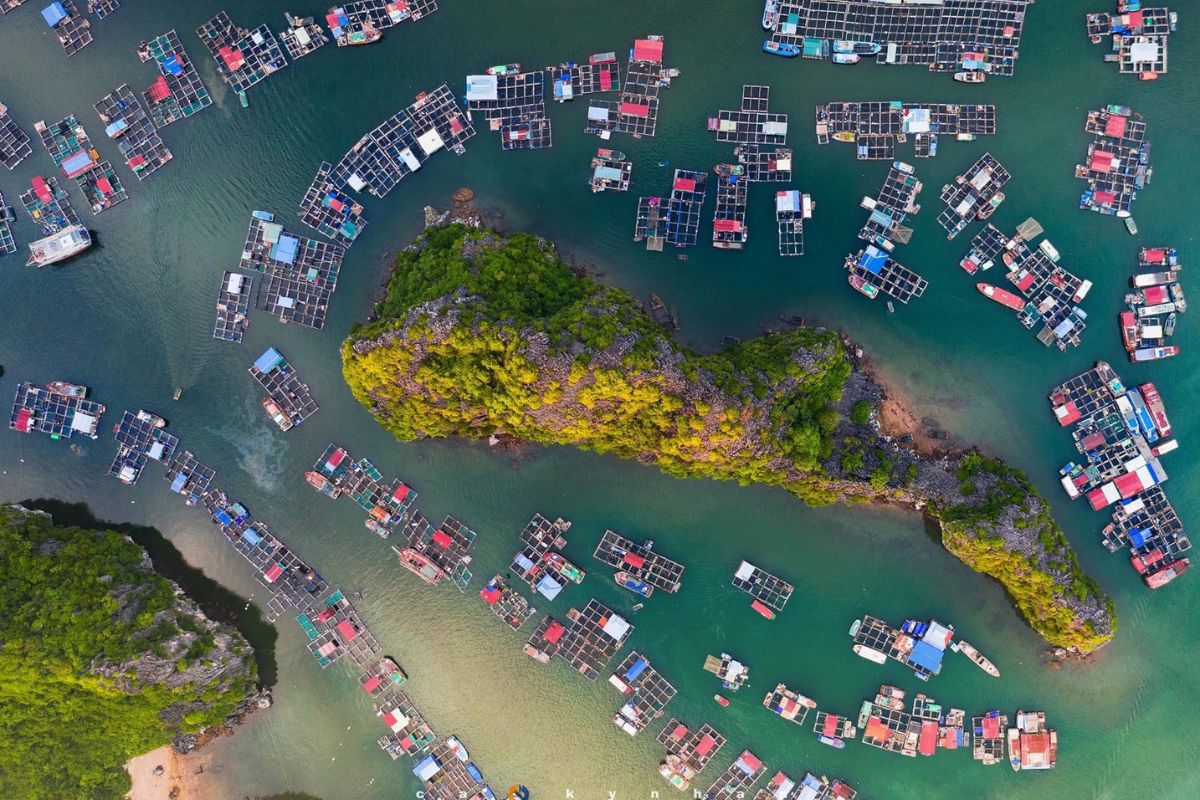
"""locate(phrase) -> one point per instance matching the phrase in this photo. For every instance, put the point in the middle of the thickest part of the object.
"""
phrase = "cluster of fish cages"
(60, 411)
(289, 400)
(1118, 163)
(299, 274)
(126, 122)
(178, 92)
(897, 198)
(688, 750)
(791, 209)
(1153, 307)
(302, 37)
(339, 632)
(639, 561)
(677, 219)
(14, 142)
(388, 505)
(8, 245)
(73, 30)
(602, 73)
(767, 590)
(189, 477)
(594, 635)
(409, 733)
(514, 104)
(737, 778)
(71, 150)
(49, 205)
(876, 127)
(753, 122)
(635, 111)
(647, 690)
(974, 195)
(764, 164)
(1139, 38)
(509, 605)
(243, 57)
(140, 437)
(434, 553)
(233, 307)
(330, 211)
(540, 562)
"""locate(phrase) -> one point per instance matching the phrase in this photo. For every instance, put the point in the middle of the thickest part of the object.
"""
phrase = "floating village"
(1119, 433)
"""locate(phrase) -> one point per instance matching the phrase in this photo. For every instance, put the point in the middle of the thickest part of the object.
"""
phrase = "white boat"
(979, 659)
(59, 246)
(870, 654)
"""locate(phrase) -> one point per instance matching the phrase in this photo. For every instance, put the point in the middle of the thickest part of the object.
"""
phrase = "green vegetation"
(77, 612)
(860, 414)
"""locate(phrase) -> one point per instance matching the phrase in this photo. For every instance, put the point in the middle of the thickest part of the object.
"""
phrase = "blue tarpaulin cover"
(285, 251)
(173, 66)
(268, 360)
(178, 483)
(926, 656)
(54, 14)
(222, 518)
(251, 536)
(873, 260)
(1137, 537)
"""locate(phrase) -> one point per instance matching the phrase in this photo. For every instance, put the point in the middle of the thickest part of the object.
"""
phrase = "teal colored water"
(133, 318)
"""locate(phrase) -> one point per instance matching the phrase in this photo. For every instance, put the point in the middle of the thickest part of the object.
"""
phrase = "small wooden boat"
(870, 654)
(844, 136)
(978, 658)
(153, 419)
(67, 389)
(537, 655)
(973, 76)
(832, 741)
(178, 393)
(721, 701)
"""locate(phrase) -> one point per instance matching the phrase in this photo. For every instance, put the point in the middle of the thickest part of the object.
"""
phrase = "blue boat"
(627, 581)
(781, 49)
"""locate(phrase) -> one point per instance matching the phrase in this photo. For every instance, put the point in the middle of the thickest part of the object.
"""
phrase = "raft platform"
(189, 477)
(897, 198)
(791, 209)
(448, 546)
(340, 632)
(636, 110)
(788, 704)
(610, 173)
(974, 195)
(917, 644)
(875, 127)
(752, 122)
(765, 165)
(299, 274)
(57, 415)
(382, 677)
(694, 747)
(737, 778)
(509, 605)
(828, 724)
(329, 211)
(302, 37)
(445, 775)
(283, 386)
(573, 80)
(178, 92)
(543, 644)
(127, 123)
(388, 505)
(540, 563)
(71, 150)
(729, 217)
(102, 8)
(14, 142)
(882, 273)
(679, 222)
(410, 733)
(140, 437)
(770, 590)
(72, 28)
(8, 245)
(886, 725)
(987, 737)
(1118, 162)
(1149, 529)
(243, 57)
(648, 693)
(233, 307)
(639, 560)
(513, 104)
(593, 637)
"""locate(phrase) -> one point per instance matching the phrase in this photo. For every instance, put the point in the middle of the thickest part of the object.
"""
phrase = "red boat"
(1129, 331)
(420, 565)
(721, 701)
(1001, 296)
(762, 609)
(1168, 573)
(1154, 405)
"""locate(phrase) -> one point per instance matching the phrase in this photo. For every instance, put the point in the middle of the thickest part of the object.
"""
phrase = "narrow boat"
(67, 389)
(153, 419)
(781, 49)
(973, 76)
(243, 98)
(1169, 325)
(868, 289)
(1014, 748)
(603, 58)
(870, 654)
(978, 658)
(848, 47)
(1153, 353)
(1147, 76)
(671, 769)
(419, 565)
(1129, 331)
(965, 137)
(891, 692)
(762, 610)
(1154, 405)
(845, 58)
(1001, 296)
(721, 701)
(537, 655)
(504, 69)
(322, 484)
(178, 393)
(276, 414)
(1167, 573)
(627, 581)
(391, 670)
(1050, 250)
(728, 170)
(610, 155)
(376, 528)
(844, 136)
(1131, 226)
(832, 741)
(770, 12)
(854, 626)
(1120, 111)
(60, 246)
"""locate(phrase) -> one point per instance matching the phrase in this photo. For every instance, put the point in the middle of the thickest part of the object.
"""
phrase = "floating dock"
(72, 28)
(302, 37)
(876, 127)
(382, 678)
(872, 271)
(331, 212)
(974, 195)
(243, 57)
(140, 438)
(59, 415)
(752, 122)
(1118, 161)
(189, 477)
(648, 693)
(447, 547)
(292, 399)
(770, 590)
(1148, 527)
(640, 561)
(737, 778)
(299, 274)
(834, 726)
(8, 245)
(543, 644)
(916, 644)
(688, 750)
(610, 172)
(729, 217)
(593, 637)
(540, 563)
(233, 307)
(506, 603)
(791, 209)
(1139, 37)
(513, 104)
(765, 164)
(447, 774)
(14, 142)
(178, 92)
(1032, 745)
(636, 110)
(340, 632)
(388, 505)
(127, 123)
(987, 737)
(897, 198)
(573, 80)
(71, 150)
(677, 219)
(886, 725)
(732, 673)
(788, 704)
(410, 735)
(949, 36)
(102, 8)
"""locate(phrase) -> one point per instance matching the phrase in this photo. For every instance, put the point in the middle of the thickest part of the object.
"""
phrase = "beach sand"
(181, 774)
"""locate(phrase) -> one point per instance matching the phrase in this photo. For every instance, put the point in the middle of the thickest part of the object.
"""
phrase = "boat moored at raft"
(783, 49)
(419, 565)
(770, 14)
(845, 58)
(631, 582)
(59, 246)
(1001, 296)
(848, 47)
(67, 389)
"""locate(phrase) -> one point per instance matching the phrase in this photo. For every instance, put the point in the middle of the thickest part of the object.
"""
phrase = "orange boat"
(1001, 296)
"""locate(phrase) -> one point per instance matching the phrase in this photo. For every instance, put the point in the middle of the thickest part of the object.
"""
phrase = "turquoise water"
(133, 319)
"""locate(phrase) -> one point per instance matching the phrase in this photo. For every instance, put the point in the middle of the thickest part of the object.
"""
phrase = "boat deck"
(74, 31)
(789, 221)
(56, 415)
(897, 198)
(540, 563)
(388, 505)
(639, 560)
(67, 143)
(8, 245)
(410, 733)
(509, 605)
(233, 307)
(14, 142)
(189, 477)
(283, 385)
(448, 546)
(752, 122)
(770, 590)
(648, 693)
(243, 57)
(127, 123)
(576, 80)
(594, 635)
(737, 778)
(331, 212)
(886, 274)
(178, 92)
(974, 195)
(765, 165)
(695, 747)
(729, 216)
(299, 41)
(340, 632)
(139, 441)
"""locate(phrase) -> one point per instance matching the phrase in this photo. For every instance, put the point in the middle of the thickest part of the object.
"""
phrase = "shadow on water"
(217, 602)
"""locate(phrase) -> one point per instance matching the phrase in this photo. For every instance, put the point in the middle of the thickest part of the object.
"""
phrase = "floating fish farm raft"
(49, 205)
(987, 737)
(764, 165)
(448, 547)
(573, 80)
(770, 590)
(189, 477)
(8, 245)
(290, 395)
(544, 642)
(331, 212)
(339, 632)
(640, 561)
(177, 93)
(445, 774)
(1118, 161)
(382, 679)
(102, 8)
(140, 437)
(72, 29)
(974, 195)
(1120, 435)
(886, 725)
(299, 274)
(302, 37)
(811, 787)
(897, 199)
(593, 637)
(834, 725)
(872, 270)
(243, 57)
(126, 121)
(788, 704)
(1049, 294)
(59, 415)
(506, 603)
(71, 150)
(729, 217)
(876, 127)
(917, 644)
(753, 122)
(610, 173)
(648, 693)
(233, 307)
(636, 110)
(1153, 307)
(409, 733)
(737, 778)
(350, 23)
(14, 142)
(948, 36)
(678, 220)
(791, 209)
(540, 563)
(694, 748)
(513, 104)
(388, 505)
(1139, 37)
(732, 673)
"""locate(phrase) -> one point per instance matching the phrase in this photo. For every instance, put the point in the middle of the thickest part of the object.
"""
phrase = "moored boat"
(870, 654)
(1169, 325)
(770, 13)
(276, 414)
(868, 289)
(1001, 296)
(849, 47)
(1147, 76)
(1014, 748)
(971, 76)
(1131, 226)
(1120, 111)
(783, 49)
(322, 484)
(723, 702)
(610, 155)
(978, 658)
(67, 389)
(728, 170)
(504, 69)
(1167, 573)
(844, 136)
(59, 246)
(603, 58)
(153, 419)
(630, 582)
(965, 137)
(832, 741)
(537, 655)
(1129, 330)
(1154, 405)
(391, 670)
(419, 565)
(845, 58)
(1153, 353)
(762, 610)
